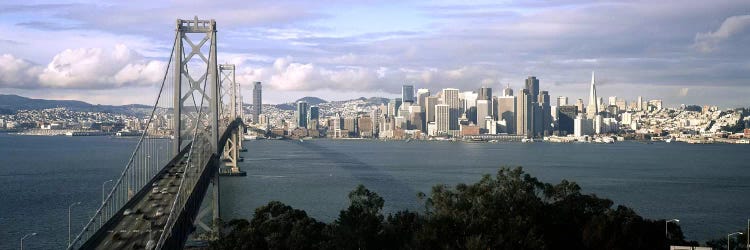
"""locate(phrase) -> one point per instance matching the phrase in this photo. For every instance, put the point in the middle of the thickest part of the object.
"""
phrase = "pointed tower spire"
(593, 108)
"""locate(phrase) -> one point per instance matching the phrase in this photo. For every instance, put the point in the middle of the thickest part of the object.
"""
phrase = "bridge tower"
(232, 110)
(196, 91)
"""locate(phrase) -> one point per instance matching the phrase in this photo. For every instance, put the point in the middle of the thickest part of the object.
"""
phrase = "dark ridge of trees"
(511, 210)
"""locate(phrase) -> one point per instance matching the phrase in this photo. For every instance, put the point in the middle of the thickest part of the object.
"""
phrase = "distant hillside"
(11, 103)
(311, 100)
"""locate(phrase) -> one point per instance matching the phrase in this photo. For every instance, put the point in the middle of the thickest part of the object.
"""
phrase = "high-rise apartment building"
(257, 101)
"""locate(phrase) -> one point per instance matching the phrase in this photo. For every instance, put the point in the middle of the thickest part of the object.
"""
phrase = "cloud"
(18, 73)
(84, 68)
(709, 41)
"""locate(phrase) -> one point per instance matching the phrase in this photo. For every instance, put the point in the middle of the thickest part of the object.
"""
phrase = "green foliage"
(510, 210)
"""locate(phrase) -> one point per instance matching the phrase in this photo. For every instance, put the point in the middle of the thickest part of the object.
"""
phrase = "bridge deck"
(145, 222)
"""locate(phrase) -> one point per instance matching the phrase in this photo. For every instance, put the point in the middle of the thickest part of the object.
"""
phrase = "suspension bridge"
(193, 135)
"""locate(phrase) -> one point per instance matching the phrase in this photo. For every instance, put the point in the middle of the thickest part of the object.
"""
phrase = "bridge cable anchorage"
(114, 199)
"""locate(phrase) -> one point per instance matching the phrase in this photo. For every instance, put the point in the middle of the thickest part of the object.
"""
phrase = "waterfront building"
(582, 126)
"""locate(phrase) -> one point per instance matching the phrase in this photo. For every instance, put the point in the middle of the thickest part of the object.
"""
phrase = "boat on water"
(527, 140)
(669, 140)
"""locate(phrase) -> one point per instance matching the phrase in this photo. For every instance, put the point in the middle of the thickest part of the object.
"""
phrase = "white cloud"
(84, 68)
(18, 73)
(709, 41)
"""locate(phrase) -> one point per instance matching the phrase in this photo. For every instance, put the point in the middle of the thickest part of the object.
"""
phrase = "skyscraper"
(393, 107)
(546, 113)
(532, 85)
(485, 93)
(429, 110)
(566, 117)
(407, 93)
(450, 98)
(640, 106)
(483, 110)
(301, 114)
(507, 91)
(442, 118)
(562, 101)
(313, 117)
(506, 110)
(421, 95)
(593, 108)
(524, 114)
(579, 105)
(257, 101)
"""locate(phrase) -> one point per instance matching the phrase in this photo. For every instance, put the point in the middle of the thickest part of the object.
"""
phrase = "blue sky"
(114, 52)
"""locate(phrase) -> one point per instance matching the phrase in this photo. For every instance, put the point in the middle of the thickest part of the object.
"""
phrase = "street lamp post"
(24, 237)
(103, 193)
(730, 235)
(666, 228)
(69, 227)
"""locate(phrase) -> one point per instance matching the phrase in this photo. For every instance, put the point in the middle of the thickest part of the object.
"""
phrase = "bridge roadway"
(144, 219)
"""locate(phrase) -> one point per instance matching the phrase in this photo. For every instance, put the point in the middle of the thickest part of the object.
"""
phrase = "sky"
(116, 52)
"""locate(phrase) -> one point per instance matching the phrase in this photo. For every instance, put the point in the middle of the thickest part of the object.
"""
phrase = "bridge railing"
(153, 151)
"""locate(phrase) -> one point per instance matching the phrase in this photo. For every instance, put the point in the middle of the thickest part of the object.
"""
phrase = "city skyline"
(690, 53)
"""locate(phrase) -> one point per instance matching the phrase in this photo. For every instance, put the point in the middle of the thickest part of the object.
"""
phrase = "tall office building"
(566, 115)
(579, 105)
(524, 114)
(532, 85)
(485, 93)
(422, 94)
(407, 93)
(593, 108)
(257, 101)
(301, 114)
(546, 113)
(612, 100)
(507, 91)
(442, 118)
(429, 110)
(313, 117)
(393, 107)
(483, 110)
(506, 110)
(450, 98)
(468, 107)
(562, 101)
